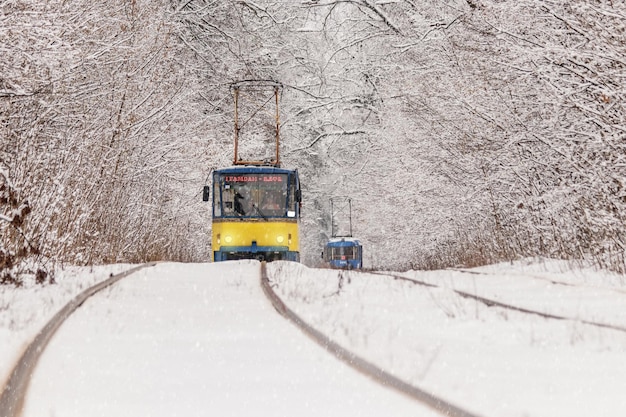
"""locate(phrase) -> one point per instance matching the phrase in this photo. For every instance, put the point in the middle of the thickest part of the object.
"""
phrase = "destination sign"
(253, 178)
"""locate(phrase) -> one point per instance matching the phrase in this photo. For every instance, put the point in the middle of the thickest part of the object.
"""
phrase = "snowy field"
(490, 361)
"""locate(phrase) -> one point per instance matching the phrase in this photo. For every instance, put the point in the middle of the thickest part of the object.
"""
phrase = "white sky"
(201, 339)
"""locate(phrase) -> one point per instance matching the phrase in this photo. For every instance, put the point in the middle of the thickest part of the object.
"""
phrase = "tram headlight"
(228, 239)
(280, 239)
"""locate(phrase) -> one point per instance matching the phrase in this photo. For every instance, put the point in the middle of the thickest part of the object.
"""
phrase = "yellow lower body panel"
(251, 236)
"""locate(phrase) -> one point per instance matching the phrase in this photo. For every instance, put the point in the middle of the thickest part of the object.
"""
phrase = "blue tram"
(256, 213)
(344, 253)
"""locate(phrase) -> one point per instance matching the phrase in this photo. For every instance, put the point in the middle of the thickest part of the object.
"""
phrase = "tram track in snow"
(490, 302)
(14, 390)
(367, 368)
(541, 278)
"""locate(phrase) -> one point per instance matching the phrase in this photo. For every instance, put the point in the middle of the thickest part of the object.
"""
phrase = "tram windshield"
(253, 195)
(336, 253)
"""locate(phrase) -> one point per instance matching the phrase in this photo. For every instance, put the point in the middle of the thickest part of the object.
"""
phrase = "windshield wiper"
(260, 213)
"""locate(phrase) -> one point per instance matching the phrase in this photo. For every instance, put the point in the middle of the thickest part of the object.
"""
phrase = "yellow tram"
(256, 204)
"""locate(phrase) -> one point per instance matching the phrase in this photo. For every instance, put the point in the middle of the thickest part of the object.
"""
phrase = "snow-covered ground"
(488, 360)
(169, 340)
(24, 311)
(196, 340)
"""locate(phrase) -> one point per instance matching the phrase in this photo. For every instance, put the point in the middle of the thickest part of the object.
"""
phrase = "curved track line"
(438, 404)
(493, 303)
(14, 392)
(541, 278)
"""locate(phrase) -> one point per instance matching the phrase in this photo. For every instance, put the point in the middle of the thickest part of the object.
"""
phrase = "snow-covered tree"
(464, 131)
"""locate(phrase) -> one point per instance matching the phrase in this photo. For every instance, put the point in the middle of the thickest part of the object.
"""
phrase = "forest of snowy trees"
(463, 131)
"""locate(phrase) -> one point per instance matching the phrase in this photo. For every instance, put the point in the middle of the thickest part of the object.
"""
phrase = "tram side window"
(217, 203)
(291, 210)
